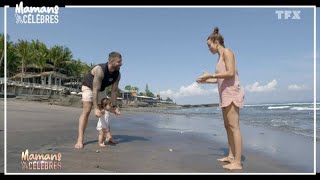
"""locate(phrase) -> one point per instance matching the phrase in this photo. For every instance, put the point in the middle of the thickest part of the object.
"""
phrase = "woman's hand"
(200, 80)
(206, 78)
(206, 74)
(203, 77)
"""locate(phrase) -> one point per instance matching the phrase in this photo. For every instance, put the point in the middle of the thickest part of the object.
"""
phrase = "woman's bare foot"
(102, 144)
(79, 145)
(233, 166)
(226, 159)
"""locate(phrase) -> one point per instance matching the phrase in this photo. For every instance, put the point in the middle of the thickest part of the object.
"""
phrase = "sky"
(166, 48)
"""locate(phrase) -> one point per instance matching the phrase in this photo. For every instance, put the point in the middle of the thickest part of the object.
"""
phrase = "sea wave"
(304, 108)
(278, 107)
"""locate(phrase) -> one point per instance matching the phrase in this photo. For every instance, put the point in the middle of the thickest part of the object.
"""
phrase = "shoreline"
(75, 101)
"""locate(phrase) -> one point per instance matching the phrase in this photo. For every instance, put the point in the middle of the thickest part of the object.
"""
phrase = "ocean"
(296, 118)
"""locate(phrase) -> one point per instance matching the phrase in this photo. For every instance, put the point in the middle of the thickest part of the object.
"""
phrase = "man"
(93, 85)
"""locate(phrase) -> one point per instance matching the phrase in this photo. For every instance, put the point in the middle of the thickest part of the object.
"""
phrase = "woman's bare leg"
(232, 117)
(230, 156)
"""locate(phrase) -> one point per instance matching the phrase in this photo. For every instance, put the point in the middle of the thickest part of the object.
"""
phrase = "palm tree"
(59, 55)
(40, 54)
(12, 63)
(128, 87)
(77, 68)
(135, 88)
(85, 69)
(109, 89)
(23, 53)
(1, 51)
(66, 57)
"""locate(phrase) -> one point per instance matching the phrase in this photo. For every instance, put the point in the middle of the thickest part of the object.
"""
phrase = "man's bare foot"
(226, 159)
(79, 145)
(102, 144)
(233, 166)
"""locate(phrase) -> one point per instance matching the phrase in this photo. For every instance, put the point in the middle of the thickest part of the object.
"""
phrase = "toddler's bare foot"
(233, 166)
(102, 144)
(226, 159)
(79, 145)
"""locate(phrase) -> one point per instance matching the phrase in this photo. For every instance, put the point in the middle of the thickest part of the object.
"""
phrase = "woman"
(231, 96)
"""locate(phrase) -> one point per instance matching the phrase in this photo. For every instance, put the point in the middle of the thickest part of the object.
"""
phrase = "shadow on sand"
(121, 139)
(225, 153)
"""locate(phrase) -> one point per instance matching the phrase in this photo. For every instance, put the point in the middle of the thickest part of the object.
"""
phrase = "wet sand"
(143, 147)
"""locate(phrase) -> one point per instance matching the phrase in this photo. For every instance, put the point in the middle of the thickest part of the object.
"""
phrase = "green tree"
(59, 55)
(147, 88)
(36, 54)
(86, 69)
(168, 99)
(148, 92)
(76, 68)
(24, 54)
(1, 51)
(128, 87)
(40, 54)
(135, 88)
(12, 63)
(109, 88)
(11, 58)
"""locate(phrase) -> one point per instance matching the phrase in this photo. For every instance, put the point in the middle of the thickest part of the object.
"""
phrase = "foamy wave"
(278, 107)
(304, 108)
(279, 104)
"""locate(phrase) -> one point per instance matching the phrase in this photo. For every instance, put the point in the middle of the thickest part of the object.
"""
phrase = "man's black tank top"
(106, 81)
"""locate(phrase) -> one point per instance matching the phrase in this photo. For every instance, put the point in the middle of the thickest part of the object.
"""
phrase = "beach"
(148, 143)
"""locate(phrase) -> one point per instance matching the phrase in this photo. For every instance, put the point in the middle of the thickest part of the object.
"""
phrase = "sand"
(143, 147)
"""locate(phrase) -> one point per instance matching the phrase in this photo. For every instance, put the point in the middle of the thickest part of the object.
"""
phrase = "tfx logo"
(288, 14)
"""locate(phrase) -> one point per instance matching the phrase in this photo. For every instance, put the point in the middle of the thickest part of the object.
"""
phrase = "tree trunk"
(22, 71)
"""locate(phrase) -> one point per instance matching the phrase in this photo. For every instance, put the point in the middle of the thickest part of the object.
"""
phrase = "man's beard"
(117, 68)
